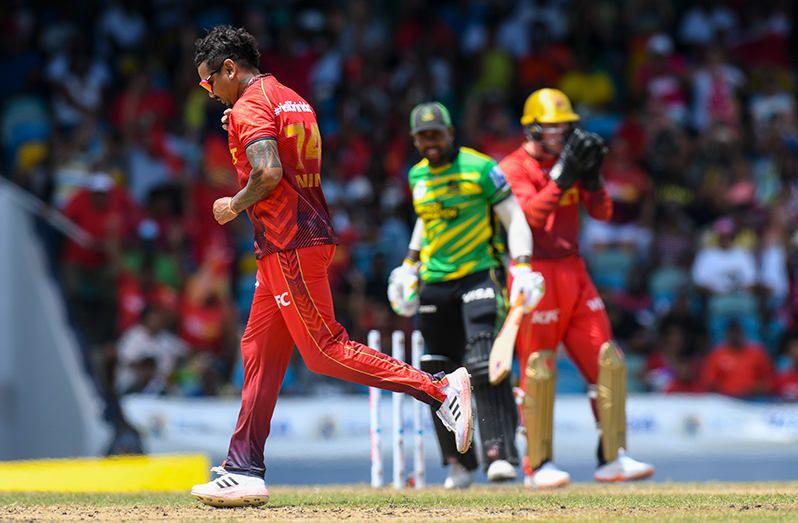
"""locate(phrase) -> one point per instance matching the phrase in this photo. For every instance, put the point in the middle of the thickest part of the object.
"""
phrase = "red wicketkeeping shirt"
(552, 215)
(295, 213)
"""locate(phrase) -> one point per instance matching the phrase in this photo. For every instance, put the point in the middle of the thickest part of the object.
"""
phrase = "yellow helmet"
(548, 106)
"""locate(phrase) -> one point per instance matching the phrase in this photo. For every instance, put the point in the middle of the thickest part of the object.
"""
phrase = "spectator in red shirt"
(686, 379)
(785, 386)
(107, 213)
(207, 314)
(738, 368)
(545, 63)
(662, 80)
(141, 100)
(138, 289)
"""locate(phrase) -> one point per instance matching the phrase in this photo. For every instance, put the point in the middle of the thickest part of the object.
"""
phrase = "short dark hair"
(225, 41)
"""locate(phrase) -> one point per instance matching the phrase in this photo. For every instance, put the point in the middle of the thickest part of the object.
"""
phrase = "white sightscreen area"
(48, 406)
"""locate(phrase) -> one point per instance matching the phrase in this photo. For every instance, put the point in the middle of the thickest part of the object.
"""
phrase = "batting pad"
(538, 406)
(119, 474)
(611, 400)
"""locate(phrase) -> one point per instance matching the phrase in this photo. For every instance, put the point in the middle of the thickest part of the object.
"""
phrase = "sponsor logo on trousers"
(479, 294)
(427, 309)
(282, 300)
(546, 317)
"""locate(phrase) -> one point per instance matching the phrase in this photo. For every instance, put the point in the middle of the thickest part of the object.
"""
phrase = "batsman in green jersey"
(454, 278)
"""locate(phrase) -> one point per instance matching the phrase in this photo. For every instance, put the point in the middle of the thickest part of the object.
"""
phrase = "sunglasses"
(206, 83)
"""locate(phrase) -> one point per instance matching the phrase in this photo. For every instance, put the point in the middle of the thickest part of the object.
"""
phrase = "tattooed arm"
(266, 174)
(264, 177)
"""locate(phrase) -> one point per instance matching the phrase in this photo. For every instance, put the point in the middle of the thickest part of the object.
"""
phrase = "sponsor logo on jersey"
(497, 177)
(427, 309)
(479, 294)
(293, 107)
(570, 197)
(546, 317)
(282, 300)
(436, 211)
(595, 304)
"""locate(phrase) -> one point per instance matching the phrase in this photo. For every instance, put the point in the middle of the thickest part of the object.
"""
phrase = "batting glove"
(528, 283)
(403, 289)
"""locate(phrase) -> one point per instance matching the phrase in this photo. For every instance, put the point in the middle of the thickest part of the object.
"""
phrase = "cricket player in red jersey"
(276, 148)
(555, 169)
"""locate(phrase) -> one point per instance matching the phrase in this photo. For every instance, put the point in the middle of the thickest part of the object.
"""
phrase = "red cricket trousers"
(570, 312)
(293, 305)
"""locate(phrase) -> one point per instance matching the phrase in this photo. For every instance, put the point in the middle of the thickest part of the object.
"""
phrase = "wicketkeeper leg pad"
(538, 406)
(495, 404)
(611, 399)
(434, 364)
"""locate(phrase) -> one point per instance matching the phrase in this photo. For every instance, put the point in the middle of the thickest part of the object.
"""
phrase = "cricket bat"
(501, 354)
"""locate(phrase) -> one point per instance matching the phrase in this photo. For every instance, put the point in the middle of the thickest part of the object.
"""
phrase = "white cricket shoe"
(455, 412)
(547, 476)
(623, 468)
(501, 470)
(232, 490)
(459, 477)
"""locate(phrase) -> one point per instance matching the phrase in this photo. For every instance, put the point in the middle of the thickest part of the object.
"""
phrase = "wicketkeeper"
(454, 278)
(555, 169)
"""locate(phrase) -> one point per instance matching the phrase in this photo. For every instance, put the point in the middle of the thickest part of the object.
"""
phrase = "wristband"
(230, 207)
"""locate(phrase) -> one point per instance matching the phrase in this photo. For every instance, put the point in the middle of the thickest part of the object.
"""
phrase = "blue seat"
(569, 379)
(665, 282)
(742, 307)
(610, 268)
(24, 119)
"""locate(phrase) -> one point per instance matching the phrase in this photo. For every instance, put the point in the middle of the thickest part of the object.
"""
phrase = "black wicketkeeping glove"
(571, 161)
(591, 170)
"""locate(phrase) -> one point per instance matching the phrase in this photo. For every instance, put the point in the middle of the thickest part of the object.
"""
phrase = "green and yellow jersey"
(461, 231)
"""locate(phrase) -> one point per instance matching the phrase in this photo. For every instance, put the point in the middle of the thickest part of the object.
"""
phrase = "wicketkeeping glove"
(531, 284)
(403, 289)
(591, 171)
(570, 163)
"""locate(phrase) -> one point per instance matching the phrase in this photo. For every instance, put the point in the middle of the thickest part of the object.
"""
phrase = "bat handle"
(519, 300)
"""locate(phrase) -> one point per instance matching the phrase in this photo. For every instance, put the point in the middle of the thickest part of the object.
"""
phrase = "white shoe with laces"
(623, 468)
(547, 476)
(455, 412)
(501, 470)
(459, 477)
(232, 490)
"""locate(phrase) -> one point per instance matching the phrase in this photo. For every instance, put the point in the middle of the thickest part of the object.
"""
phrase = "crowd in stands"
(103, 119)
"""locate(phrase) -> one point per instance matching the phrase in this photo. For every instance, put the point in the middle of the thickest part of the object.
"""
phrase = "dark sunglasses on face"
(206, 83)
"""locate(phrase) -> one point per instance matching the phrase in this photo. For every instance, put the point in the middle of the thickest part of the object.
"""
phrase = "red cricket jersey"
(738, 372)
(552, 215)
(295, 213)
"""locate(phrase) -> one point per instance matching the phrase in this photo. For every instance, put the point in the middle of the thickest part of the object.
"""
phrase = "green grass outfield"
(661, 502)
